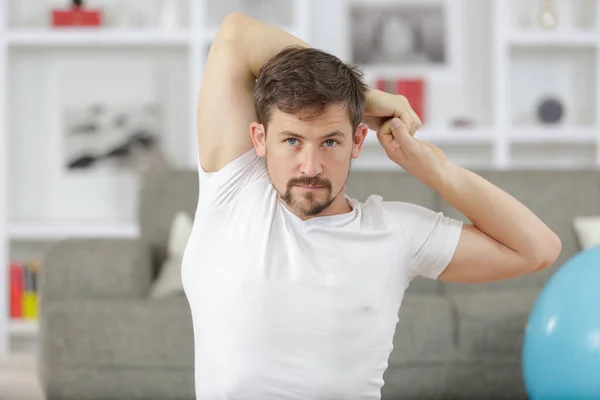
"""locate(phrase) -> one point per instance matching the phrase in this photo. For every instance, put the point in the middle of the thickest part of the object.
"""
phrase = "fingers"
(409, 117)
(416, 123)
(411, 121)
(395, 138)
(386, 138)
(401, 134)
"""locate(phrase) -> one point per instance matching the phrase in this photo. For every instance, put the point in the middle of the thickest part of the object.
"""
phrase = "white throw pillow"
(168, 281)
(587, 229)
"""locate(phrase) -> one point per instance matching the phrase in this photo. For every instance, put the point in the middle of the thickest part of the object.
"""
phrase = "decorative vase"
(548, 18)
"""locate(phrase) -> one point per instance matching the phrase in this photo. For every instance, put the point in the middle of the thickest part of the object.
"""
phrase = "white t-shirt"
(286, 309)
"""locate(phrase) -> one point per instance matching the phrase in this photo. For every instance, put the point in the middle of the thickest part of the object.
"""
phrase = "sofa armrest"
(96, 268)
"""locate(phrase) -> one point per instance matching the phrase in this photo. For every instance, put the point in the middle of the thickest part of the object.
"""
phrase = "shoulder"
(244, 176)
(376, 205)
(395, 214)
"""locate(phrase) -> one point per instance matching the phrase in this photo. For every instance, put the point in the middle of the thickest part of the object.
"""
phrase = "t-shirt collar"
(325, 220)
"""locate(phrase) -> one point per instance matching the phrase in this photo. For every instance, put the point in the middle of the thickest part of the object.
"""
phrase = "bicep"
(225, 105)
(478, 258)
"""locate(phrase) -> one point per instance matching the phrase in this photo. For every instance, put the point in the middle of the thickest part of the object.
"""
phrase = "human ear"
(359, 139)
(259, 138)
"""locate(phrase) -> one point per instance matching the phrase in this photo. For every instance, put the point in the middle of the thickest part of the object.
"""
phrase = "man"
(294, 287)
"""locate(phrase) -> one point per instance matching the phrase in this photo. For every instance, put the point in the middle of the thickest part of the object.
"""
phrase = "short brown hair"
(304, 81)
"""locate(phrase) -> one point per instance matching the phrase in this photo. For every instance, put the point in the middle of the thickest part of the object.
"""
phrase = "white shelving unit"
(86, 37)
(529, 63)
(57, 232)
(5, 323)
(190, 44)
(524, 64)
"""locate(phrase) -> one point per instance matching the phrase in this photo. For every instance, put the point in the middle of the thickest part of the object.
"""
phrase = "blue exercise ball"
(561, 344)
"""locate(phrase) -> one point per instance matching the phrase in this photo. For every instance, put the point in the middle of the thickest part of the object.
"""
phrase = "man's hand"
(381, 107)
(423, 160)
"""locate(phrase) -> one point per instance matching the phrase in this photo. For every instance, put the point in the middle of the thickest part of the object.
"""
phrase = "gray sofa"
(102, 338)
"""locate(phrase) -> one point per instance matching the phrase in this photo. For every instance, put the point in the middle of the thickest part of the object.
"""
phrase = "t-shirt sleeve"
(226, 184)
(431, 239)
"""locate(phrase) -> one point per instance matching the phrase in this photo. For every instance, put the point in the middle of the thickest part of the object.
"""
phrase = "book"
(16, 290)
(23, 286)
(412, 89)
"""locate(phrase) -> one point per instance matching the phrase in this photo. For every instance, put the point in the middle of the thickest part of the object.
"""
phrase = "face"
(309, 160)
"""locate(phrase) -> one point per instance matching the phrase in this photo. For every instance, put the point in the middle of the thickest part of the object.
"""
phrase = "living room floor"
(18, 379)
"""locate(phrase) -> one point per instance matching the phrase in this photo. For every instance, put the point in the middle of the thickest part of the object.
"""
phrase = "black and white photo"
(111, 128)
(409, 33)
(99, 136)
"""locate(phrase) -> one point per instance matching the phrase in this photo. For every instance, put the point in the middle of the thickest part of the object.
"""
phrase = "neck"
(339, 205)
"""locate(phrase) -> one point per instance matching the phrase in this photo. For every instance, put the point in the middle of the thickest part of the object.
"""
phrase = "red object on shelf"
(16, 290)
(76, 16)
(382, 85)
(412, 89)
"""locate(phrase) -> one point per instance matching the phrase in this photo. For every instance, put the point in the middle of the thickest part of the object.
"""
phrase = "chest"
(275, 263)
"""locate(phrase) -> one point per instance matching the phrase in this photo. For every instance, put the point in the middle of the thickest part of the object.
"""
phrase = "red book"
(76, 16)
(16, 290)
(382, 85)
(412, 89)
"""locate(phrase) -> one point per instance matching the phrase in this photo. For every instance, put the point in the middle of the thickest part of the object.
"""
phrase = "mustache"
(309, 181)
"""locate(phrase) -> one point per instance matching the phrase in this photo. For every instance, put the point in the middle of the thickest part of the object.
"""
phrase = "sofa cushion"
(93, 383)
(587, 230)
(424, 332)
(169, 282)
(162, 195)
(459, 380)
(491, 325)
(141, 333)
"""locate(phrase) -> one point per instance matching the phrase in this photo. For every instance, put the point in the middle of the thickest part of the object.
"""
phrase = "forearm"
(497, 214)
(255, 42)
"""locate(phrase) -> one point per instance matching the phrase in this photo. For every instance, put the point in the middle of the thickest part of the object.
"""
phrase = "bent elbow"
(547, 253)
(231, 26)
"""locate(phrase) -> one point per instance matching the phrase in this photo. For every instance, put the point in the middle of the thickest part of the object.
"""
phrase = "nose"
(311, 165)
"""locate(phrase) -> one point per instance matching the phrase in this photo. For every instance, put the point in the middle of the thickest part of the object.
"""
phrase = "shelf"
(567, 74)
(23, 327)
(111, 37)
(59, 231)
(556, 38)
(554, 135)
(97, 37)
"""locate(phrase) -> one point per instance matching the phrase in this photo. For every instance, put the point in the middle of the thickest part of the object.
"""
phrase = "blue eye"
(330, 143)
(291, 141)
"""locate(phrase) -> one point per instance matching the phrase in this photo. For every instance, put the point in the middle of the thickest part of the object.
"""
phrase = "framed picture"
(113, 127)
(102, 136)
(403, 35)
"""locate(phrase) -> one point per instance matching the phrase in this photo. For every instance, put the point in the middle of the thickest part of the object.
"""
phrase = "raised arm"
(226, 107)
(505, 239)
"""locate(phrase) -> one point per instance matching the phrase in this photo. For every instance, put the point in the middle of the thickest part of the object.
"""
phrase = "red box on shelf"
(412, 89)
(76, 17)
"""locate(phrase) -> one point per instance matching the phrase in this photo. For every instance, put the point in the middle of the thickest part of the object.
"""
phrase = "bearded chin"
(306, 205)
(309, 207)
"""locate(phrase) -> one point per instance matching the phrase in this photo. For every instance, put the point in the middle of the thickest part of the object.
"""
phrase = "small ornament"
(550, 111)
(548, 15)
